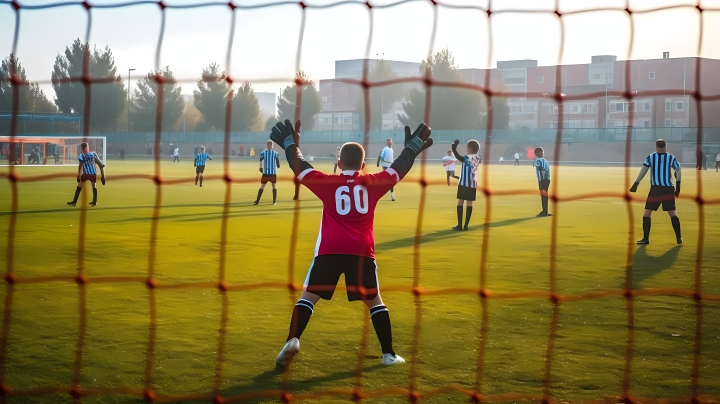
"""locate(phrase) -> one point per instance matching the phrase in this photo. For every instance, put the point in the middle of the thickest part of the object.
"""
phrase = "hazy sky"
(265, 40)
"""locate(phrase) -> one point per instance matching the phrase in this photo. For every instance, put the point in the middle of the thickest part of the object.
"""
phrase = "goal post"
(48, 150)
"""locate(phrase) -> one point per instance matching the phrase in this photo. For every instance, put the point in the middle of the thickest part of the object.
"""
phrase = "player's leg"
(447, 174)
(468, 213)
(675, 220)
(94, 188)
(646, 226)
(544, 186)
(77, 193)
(459, 214)
(297, 190)
(201, 177)
(197, 175)
(302, 312)
(263, 181)
(274, 192)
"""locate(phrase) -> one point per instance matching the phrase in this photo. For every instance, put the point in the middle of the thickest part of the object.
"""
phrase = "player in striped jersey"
(467, 186)
(662, 191)
(87, 172)
(269, 163)
(542, 170)
(199, 164)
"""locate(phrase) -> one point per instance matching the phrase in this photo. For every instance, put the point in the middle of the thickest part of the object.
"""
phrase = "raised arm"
(379, 157)
(288, 138)
(415, 143)
(454, 150)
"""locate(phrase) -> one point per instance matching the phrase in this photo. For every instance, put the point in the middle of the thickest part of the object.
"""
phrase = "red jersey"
(348, 216)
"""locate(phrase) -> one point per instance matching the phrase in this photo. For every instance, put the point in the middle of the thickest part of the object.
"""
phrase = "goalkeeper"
(662, 191)
(345, 243)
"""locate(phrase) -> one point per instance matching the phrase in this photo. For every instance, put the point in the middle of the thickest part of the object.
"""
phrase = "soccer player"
(87, 172)
(542, 170)
(385, 159)
(200, 164)
(662, 191)
(517, 159)
(269, 163)
(449, 164)
(336, 158)
(345, 241)
(122, 154)
(717, 162)
(501, 159)
(467, 186)
(176, 155)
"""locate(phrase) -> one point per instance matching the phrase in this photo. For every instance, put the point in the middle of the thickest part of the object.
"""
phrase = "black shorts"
(199, 169)
(268, 178)
(466, 193)
(88, 177)
(660, 195)
(325, 271)
(544, 185)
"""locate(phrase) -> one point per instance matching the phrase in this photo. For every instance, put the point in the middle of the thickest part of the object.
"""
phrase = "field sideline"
(592, 243)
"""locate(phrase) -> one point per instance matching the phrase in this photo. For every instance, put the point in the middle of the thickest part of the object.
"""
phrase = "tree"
(451, 108)
(145, 100)
(31, 98)
(310, 102)
(210, 98)
(270, 122)
(108, 100)
(245, 109)
(381, 98)
(501, 114)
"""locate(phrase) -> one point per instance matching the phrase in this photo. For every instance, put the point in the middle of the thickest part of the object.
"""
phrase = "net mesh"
(483, 293)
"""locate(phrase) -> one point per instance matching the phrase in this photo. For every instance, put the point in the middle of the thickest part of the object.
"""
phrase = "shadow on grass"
(646, 266)
(442, 235)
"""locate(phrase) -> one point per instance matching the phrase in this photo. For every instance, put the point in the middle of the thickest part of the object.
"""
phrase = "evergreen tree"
(310, 102)
(245, 109)
(145, 100)
(210, 98)
(31, 99)
(381, 98)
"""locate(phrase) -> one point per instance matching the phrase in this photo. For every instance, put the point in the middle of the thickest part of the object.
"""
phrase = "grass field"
(592, 243)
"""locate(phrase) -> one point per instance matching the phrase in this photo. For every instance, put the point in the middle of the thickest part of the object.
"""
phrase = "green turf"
(592, 244)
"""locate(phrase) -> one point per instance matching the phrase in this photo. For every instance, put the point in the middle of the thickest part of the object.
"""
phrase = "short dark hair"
(539, 151)
(473, 146)
(83, 145)
(660, 144)
(352, 155)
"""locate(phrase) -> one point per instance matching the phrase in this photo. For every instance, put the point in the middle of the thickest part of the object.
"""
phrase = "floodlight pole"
(128, 101)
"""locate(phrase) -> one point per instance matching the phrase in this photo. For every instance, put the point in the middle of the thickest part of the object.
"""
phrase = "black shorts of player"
(268, 178)
(466, 193)
(88, 177)
(325, 271)
(544, 185)
(660, 195)
(199, 169)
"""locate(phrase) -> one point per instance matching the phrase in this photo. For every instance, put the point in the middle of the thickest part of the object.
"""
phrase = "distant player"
(346, 243)
(336, 158)
(542, 170)
(517, 159)
(199, 164)
(467, 186)
(176, 155)
(269, 163)
(449, 164)
(385, 159)
(501, 159)
(87, 172)
(662, 191)
(122, 154)
(717, 162)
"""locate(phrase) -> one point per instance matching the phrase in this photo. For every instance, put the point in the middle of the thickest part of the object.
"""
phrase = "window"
(651, 75)
(667, 123)
(588, 124)
(529, 109)
(668, 106)
(596, 76)
(325, 98)
(516, 110)
(588, 109)
(678, 122)
(679, 106)
(540, 79)
(643, 106)
(574, 108)
(619, 107)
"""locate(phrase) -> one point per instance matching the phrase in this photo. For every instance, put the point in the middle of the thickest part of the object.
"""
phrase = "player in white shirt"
(717, 162)
(449, 164)
(385, 159)
(517, 159)
(501, 159)
(176, 155)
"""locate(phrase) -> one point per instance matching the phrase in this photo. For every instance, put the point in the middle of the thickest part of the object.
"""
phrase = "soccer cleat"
(288, 352)
(457, 228)
(543, 214)
(256, 202)
(274, 203)
(644, 241)
(72, 203)
(465, 228)
(92, 203)
(679, 240)
(392, 195)
(390, 359)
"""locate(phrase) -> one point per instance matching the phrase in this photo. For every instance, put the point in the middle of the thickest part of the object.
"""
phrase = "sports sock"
(94, 195)
(676, 225)
(259, 195)
(196, 179)
(646, 227)
(77, 194)
(201, 178)
(300, 318)
(468, 213)
(380, 317)
(545, 203)
(274, 195)
(459, 213)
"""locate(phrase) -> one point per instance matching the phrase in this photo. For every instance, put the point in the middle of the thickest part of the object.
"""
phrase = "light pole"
(128, 101)
(382, 98)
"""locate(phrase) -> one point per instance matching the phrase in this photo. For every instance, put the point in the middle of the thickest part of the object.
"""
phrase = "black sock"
(259, 195)
(94, 195)
(676, 225)
(544, 204)
(201, 178)
(274, 195)
(459, 213)
(646, 227)
(392, 189)
(468, 213)
(380, 317)
(77, 193)
(300, 318)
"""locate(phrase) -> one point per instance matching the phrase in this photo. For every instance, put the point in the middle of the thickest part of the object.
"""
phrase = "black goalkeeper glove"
(261, 171)
(634, 187)
(419, 140)
(284, 135)
(677, 190)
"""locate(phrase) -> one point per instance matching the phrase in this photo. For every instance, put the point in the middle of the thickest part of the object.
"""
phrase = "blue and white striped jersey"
(660, 164)
(468, 172)
(270, 161)
(88, 160)
(542, 169)
(201, 157)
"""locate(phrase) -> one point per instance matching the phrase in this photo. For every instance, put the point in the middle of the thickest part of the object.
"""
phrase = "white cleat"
(289, 350)
(390, 359)
(392, 195)
(274, 203)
